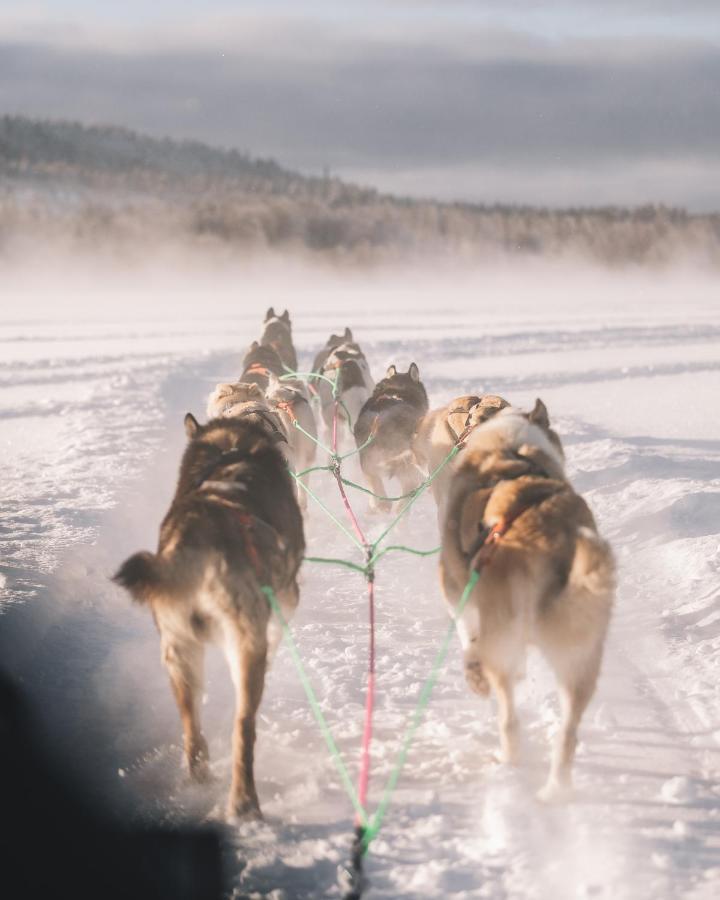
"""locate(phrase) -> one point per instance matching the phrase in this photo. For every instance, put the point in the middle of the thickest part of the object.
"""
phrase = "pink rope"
(364, 776)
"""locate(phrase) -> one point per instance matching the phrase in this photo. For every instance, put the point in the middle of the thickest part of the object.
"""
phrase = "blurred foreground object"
(54, 841)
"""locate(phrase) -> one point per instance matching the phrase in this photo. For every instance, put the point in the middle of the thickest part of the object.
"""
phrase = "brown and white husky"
(546, 576)
(234, 525)
(275, 413)
(441, 429)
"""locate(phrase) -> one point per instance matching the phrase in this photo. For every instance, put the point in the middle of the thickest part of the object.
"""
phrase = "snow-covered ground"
(94, 381)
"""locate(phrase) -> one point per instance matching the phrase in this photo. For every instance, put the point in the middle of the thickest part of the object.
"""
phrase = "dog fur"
(233, 525)
(245, 400)
(439, 430)
(259, 363)
(549, 581)
(289, 403)
(391, 414)
(332, 342)
(346, 362)
(277, 334)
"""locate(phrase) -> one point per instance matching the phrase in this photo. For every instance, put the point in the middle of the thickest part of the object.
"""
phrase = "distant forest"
(84, 188)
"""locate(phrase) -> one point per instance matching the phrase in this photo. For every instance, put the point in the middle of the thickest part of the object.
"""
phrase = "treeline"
(85, 187)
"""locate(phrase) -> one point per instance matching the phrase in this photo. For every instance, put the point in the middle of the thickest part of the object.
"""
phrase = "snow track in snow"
(92, 443)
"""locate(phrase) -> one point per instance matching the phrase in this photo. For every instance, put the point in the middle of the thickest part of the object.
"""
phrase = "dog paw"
(200, 773)
(197, 760)
(241, 811)
(475, 677)
(508, 756)
(554, 793)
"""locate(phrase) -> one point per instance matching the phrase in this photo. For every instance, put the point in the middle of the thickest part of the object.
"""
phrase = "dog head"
(411, 377)
(271, 315)
(406, 385)
(225, 396)
(335, 340)
(486, 407)
(263, 355)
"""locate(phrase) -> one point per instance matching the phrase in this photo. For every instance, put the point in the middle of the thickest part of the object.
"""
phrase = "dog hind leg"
(183, 660)
(503, 686)
(247, 657)
(576, 688)
(288, 600)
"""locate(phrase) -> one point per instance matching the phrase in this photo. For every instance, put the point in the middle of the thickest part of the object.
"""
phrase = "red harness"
(287, 407)
(258, 367)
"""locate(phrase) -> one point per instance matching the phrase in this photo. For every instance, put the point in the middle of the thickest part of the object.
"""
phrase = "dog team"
(505, 509)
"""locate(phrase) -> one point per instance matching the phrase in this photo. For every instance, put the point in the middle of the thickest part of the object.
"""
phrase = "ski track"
(91, 422)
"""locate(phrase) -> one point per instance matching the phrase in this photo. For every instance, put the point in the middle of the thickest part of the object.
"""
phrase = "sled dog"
(241, 400)
(233, 525)
(546, 576)
(332, 342)
(259, 363)
(441, 429)
(278, 335)
(391, 416)
(291, 405)
(346, 365)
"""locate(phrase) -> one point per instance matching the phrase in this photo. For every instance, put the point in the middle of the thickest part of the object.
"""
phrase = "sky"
(552, 103)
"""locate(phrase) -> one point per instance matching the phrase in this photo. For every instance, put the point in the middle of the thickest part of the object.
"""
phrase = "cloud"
(400, 104)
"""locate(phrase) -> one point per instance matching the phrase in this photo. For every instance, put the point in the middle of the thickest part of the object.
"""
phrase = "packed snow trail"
(93, 442)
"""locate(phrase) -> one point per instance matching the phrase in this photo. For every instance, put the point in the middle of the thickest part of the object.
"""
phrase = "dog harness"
(263, 413)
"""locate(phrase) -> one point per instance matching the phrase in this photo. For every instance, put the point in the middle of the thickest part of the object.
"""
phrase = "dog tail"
(591, 583)
(401, 462)
(454, 557)
(143, 575)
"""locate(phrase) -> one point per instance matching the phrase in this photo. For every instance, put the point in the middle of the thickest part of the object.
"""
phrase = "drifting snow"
(91, 415)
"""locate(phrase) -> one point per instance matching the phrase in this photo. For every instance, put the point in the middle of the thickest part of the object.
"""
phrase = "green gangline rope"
(371, 828)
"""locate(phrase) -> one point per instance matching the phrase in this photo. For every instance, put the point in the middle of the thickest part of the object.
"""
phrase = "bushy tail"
(593, 568)
(454, 557)
(398, 464)
(143, 574)
(591, 584)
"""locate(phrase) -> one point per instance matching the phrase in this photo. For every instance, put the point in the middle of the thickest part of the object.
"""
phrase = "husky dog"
(259, 363)
(291, 405)
(278, 335)
(546, 576)
(391, 416)
(233, 525)
(332, 342)
(348, 367)
(245, 400)
(441, 429)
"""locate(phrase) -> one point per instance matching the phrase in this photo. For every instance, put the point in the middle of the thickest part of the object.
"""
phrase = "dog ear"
(253, 346)
(192, 425)
(391, 372)
(270, 314)
(348, 334)
(254, 390)
(539, 415)
(286, 317)
(414, 372)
